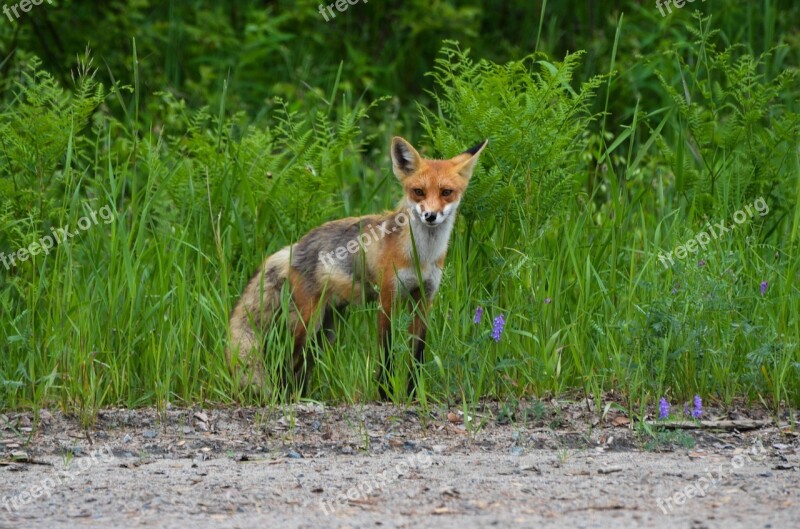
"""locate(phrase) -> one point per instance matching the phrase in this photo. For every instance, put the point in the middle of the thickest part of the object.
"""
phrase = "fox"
(389, 257)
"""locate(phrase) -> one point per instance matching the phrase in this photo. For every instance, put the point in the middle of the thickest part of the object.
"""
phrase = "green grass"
(560, 231)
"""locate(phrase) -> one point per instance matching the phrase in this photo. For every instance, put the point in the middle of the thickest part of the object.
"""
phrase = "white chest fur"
(431, 245)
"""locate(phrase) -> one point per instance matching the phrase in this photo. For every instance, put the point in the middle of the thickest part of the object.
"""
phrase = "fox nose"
(430, 216)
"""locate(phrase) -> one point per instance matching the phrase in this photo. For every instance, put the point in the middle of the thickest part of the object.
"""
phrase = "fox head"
(433, 188)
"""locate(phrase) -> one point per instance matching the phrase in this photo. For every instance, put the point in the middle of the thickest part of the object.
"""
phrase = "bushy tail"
(254, 311)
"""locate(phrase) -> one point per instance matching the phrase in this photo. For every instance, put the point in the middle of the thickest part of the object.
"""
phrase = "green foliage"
(668, 440)
(37, 139)
(536, 114)
(739, 132)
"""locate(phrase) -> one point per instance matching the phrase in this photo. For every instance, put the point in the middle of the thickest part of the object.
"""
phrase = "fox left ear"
(467, 160)
(405, 158)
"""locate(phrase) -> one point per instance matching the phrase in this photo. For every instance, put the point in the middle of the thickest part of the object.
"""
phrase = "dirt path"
(380, 466)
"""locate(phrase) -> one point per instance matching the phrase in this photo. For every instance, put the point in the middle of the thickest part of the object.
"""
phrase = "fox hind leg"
(307, 320)
(328, 329)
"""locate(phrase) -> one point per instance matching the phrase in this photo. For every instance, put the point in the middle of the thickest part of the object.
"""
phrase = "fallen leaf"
(620, 420)
(454, 418)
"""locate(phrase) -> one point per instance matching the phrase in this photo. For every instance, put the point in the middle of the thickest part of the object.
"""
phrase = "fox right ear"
(405, 158)
(467, 160)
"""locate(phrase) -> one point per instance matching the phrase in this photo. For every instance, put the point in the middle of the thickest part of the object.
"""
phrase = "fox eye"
(419, 192)
(447, 192)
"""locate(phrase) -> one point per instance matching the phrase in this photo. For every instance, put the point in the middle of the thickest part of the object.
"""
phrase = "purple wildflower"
(697, 412)
(686, 410)
(701, 263)
(497, 328)
(764, 286)
(547, 301)
(663, 409)
(478, 315)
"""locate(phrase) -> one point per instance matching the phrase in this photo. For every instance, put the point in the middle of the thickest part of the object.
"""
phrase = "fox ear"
(405, 158)
(467, 160)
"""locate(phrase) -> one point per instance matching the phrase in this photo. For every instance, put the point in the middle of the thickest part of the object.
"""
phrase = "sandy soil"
(383, 466)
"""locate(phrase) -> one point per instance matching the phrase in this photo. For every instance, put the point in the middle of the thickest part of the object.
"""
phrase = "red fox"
(397, 254)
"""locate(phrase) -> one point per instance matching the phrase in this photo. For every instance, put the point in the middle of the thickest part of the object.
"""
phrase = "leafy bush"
(737, 132)
(535, 123)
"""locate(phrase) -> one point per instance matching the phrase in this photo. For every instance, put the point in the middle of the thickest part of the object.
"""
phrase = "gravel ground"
(383, 466)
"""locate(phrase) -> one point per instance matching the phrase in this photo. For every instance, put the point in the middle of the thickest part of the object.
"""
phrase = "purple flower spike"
(663, 409)
(497, 328)
(697, 412)
(478, 315)
(764, 286)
